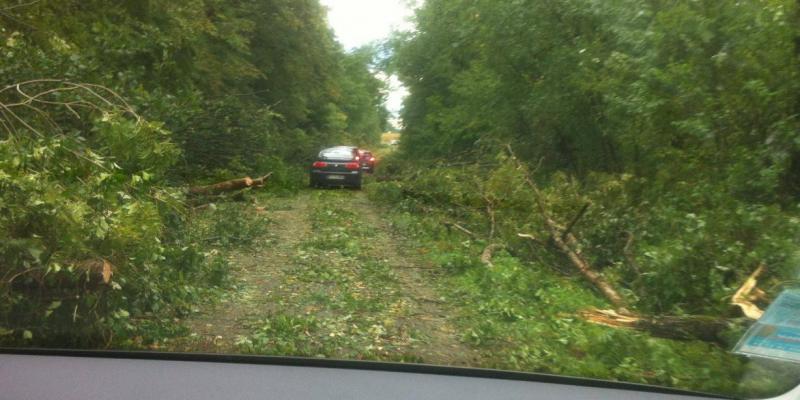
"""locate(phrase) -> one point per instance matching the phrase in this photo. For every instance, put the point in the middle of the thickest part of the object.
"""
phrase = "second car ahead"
(337, 166)
(367, 160)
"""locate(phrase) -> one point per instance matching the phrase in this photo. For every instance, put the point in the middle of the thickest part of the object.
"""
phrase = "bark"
(586, 270)
(258, 182)
(225, 186)
(233, 184)
(690, 327)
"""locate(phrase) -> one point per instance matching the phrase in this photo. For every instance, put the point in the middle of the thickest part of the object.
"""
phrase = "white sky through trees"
(360, 22)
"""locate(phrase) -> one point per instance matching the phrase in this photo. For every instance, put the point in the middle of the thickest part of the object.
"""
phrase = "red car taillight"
(372, 159)
(319, 164)
(351, 165)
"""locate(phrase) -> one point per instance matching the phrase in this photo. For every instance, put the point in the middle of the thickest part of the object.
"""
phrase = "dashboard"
(81, 375)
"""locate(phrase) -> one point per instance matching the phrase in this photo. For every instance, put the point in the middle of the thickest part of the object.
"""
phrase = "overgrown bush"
(523, 312)
(90, 233)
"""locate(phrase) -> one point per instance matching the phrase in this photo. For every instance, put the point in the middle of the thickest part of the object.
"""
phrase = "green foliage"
(83, 222)
(237, 84)
(523, 313)
(676, 122)
(178, 92)
(229, 225)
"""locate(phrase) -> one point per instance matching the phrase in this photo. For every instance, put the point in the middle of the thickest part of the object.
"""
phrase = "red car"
(367, 160)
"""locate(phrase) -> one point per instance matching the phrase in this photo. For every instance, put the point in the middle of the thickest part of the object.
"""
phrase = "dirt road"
(330, 279)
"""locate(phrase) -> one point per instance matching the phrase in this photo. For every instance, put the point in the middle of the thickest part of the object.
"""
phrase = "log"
(233, 184)
(690, 327)
(259, 182)
(586, 270)
(488, 252)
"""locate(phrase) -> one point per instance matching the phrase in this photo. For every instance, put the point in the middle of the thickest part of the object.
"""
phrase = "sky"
(360, 22)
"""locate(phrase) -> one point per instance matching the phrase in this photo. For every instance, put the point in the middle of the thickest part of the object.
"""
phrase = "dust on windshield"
(601, 189)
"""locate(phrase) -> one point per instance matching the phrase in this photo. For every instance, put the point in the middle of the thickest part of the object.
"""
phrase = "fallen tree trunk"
(226, 186)
(233, 184)
(566, 243)
(258, 182)
(690, 327)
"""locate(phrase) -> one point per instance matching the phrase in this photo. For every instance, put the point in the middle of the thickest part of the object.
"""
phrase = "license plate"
(336, 177)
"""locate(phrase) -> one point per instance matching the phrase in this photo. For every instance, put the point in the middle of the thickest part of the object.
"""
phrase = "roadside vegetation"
(645, 151)
(108, 113)
(606, 189)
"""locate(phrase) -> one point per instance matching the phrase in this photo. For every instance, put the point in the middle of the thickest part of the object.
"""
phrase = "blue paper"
(777, 333)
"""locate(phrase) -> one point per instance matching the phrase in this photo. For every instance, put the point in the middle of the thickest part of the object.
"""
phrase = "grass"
(346, 302)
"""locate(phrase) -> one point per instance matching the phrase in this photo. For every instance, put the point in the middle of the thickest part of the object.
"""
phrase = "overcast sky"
(359, 22)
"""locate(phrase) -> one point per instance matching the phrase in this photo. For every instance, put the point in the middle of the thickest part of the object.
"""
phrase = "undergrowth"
(523, 313)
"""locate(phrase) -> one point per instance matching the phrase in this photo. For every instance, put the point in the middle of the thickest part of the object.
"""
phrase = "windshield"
(337, 153)
(598, 189)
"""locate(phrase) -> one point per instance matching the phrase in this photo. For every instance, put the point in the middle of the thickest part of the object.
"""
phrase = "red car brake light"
(319, 164)
(351, 165)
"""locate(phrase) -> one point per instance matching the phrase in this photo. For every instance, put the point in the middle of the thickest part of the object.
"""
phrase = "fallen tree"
(563, 239)
(687, 327)
(230, 185)
(683, 327)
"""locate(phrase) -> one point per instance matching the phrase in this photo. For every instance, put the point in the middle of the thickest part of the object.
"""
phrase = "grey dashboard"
(95, 376)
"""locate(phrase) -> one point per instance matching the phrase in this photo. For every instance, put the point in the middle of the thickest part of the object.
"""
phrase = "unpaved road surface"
(330, 279)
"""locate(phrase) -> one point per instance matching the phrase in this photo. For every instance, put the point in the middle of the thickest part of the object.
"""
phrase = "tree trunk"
(233, 184)
(691, 327)
(593, 277)
(688, 327)
(258, 182)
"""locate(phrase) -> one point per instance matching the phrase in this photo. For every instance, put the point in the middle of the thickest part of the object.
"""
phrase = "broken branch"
(574, 221)
(743, 297)
(488, 252)
(566, 242)
(461, 228)
(699, 327)
(233, 184)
